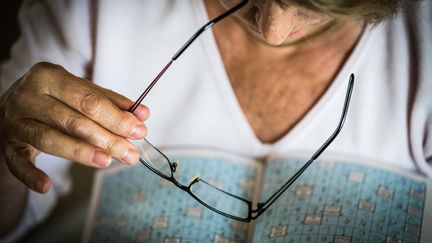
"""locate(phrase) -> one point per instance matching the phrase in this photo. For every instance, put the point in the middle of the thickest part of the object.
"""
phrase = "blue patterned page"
(335, 201)
(133, 204)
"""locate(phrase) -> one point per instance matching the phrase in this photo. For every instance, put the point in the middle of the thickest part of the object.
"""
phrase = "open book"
(334, 200)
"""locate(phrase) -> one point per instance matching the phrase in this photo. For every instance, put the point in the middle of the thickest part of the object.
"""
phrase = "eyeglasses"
(212, 197)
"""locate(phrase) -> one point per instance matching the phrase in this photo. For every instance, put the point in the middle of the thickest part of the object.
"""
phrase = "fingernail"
(139, 131)
(40, 185)
(142, 113)
(130, 156)
(101, 159)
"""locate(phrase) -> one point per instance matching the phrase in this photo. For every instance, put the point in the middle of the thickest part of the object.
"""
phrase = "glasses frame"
(171, 178)
(261, 207)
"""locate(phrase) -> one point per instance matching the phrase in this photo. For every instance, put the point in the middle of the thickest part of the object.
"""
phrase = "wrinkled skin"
(277, 25)
(53, 111)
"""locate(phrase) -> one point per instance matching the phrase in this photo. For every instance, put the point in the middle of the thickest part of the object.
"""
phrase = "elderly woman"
(271, 79)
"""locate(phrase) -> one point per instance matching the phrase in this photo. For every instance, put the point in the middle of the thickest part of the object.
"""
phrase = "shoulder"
(419, 26)
(416, 31)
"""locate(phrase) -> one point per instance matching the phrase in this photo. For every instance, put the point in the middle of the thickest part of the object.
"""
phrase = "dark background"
(8, 26)
(66, 222)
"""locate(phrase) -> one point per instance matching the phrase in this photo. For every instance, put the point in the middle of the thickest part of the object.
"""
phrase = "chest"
(275, 94)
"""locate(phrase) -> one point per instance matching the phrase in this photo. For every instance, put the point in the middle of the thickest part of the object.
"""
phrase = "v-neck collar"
(233, 106)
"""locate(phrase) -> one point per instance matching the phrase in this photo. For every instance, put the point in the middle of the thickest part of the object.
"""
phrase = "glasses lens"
(152, 157)
(220, 200)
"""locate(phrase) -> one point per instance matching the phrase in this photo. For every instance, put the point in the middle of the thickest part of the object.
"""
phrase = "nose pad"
(194, 179)
(175, 166)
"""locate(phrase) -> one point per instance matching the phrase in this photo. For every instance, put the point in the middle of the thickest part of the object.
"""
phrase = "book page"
(133, 204)
(339, 201)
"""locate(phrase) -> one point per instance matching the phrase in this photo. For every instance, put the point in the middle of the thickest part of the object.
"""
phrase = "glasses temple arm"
(208, 26)
(147, 90)
(183, 48)
(263, 206)
(341, 122)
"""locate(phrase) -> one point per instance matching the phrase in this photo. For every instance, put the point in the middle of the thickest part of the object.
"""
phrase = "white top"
(124, 44)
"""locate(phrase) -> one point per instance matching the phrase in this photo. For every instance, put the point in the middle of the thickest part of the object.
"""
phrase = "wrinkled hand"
(53, 111)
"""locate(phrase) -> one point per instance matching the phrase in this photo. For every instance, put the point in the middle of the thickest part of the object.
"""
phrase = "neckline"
(232, 104)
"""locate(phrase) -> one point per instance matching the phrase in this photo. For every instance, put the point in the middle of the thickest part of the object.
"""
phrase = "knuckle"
(41, 70)
(124, 124)
(77, 152)
(46, 67)
(114, 145)
(17, 155)
(41, 138)
(27, 131)
(42, 142)
(90, 103)
(39, 77)
(42, 66)
(22, 93)
(75, 125)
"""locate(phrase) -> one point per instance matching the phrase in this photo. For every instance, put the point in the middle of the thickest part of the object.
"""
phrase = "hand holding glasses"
(216, 199)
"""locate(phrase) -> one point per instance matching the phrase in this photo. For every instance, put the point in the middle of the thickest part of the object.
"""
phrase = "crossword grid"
(330, 202)
(338, 202)
(138, 206)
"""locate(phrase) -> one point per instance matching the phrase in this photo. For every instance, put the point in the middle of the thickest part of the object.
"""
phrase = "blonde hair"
(372, 11)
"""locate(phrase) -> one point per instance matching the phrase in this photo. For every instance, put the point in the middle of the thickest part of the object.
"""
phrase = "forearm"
(13, 194)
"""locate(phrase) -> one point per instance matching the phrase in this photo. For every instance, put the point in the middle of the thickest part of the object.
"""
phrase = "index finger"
(93, 104)
(142, 112)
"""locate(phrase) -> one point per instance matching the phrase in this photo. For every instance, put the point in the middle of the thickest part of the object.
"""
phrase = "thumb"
(20, 161)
